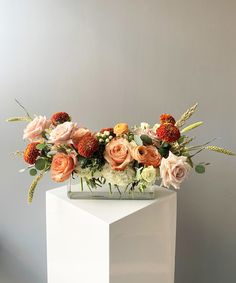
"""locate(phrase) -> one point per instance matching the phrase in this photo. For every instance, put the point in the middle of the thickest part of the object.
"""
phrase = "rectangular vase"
(78, 189)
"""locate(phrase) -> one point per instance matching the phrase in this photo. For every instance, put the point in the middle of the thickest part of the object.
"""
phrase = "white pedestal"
(111, 241)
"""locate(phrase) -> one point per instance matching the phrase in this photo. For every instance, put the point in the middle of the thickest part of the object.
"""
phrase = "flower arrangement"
(121, 156)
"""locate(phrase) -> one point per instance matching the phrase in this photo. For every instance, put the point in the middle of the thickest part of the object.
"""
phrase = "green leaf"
(41, 146)
(40, 164)
(33, 172)
(200, 168)
(189, 160)
(166, 145)
(146, 139)
(163, 151)
(138, 140)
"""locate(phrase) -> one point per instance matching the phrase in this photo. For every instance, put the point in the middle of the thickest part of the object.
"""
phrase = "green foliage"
(95, 162)
(41, 146)
(164, 149)
(181, 139)
(33, 172)
(138, 140)
(200, 168)
(146, 139)
(40, 164)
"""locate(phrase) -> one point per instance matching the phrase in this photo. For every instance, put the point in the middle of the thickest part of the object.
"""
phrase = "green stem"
(81, 184)
(126, 188)
(118, 189)
(200, 146)
(27, 113)
(110, 189)
(196, 152)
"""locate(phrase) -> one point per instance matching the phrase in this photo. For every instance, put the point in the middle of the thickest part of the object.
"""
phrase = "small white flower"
(100, 140)
(110, 137)
(144, 126)
(107, 140)
(106, 133)
(155, 127)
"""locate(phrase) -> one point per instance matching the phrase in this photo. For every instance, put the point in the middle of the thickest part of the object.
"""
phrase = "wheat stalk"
(33, 186)
(18, 119)
(186, 116)
(191, 127)
(220, 150)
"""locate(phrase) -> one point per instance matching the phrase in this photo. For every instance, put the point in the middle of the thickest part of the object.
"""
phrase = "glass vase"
(78, 189)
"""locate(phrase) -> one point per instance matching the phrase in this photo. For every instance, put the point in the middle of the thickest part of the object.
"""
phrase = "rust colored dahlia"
(87, 145)
(167, 118)
(168, 133)
(31, 153)
(59, 118)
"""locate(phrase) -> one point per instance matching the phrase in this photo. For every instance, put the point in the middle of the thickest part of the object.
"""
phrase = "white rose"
(33, 131)
(174, 170)
(149, 174)
(63, 133)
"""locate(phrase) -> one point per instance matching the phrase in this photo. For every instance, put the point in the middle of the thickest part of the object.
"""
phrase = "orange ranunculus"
(139, 153)
(121, 128)
(153, 156)
(147, 155)
(118, 153)
(62, 166)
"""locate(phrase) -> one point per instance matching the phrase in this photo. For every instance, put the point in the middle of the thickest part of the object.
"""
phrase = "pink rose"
(62, 166)
(62, 133)
(33, 131)
(174, 170)
(118, 153)
(78, 134)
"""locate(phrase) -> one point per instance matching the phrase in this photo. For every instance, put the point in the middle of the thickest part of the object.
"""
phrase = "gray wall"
(125, 60)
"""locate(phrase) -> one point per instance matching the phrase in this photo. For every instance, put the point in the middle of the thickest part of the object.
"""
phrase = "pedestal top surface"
(109, 211)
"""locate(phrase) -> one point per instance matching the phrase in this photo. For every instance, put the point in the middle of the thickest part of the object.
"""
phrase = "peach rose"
(118, 153)
(174, 170)
(153, 156)
(62, 133)
(78, 134)
(121, 128)
(33, 131)
(62, 166)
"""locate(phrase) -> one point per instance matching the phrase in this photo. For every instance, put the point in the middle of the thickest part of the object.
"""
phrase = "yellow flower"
(121, 128)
